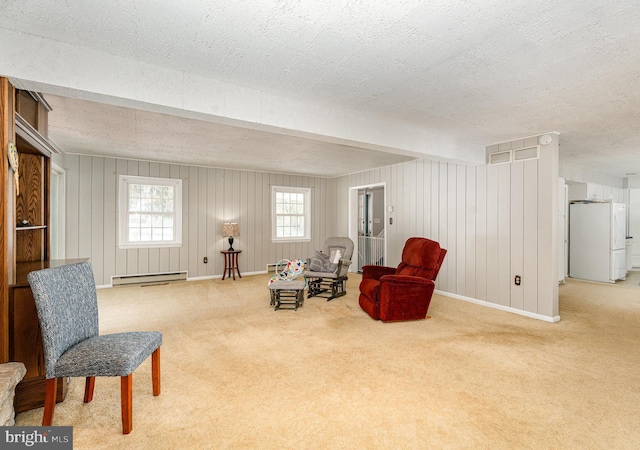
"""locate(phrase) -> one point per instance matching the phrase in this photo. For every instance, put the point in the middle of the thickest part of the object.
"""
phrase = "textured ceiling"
(494, 69)
(91, 128)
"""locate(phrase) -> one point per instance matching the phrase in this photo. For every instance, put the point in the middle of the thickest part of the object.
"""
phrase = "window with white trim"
(290, 214)
(150, 212)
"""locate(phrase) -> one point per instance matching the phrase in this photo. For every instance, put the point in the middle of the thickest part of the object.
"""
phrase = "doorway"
(56, 205)
(633, 229)
(369, 219)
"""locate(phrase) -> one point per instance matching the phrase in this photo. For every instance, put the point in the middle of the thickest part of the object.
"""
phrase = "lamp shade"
(230, 230)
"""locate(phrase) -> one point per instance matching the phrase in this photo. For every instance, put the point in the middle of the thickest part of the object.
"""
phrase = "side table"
(231, 263)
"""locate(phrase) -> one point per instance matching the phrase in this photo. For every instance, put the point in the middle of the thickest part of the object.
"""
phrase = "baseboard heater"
(147, 278)
(271, 267)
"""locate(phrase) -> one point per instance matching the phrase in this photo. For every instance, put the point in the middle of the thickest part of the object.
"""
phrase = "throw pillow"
(318, 262)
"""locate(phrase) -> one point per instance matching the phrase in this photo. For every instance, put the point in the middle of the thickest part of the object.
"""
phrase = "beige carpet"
(236, 374)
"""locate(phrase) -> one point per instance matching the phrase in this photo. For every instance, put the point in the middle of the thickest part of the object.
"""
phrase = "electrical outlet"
(205, 260)
(518, 280)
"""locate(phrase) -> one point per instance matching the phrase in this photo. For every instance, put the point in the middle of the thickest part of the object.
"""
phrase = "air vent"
(500, 157)
(523, 154)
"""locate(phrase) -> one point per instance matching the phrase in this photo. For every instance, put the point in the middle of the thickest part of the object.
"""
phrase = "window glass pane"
(156, 234)
(145, 234)
(134, 234)
(134, 204)
(134, 191)
(146, 191)
(146, 205)
(134, 220)
(167, 221)
(167, 234)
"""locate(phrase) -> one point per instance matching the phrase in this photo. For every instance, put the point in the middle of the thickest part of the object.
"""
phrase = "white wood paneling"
(547, 229)
(84, 207)
(517, 233)
(504, 235)
(435, 202)
(481, 233)
(110, 207)
(471, 218)
(530, 231)
(492, 234)
(72, 219)
(420, 194)
(97, 212)
(494, 221)
(452, 243)
(121, 255)
(443, 230)
(210, 197)
(461, 230)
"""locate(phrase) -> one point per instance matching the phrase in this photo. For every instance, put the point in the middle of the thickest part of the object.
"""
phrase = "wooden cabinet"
(26, 206)
(26, 346)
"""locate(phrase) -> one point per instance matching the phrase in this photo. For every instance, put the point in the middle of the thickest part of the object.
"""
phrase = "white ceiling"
(493, 70)
(85, 127)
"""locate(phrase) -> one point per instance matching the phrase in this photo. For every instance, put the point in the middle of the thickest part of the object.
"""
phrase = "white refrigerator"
(597, 238)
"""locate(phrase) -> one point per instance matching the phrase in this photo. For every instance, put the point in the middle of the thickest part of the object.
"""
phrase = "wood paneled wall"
(210, 197)
(495, 221)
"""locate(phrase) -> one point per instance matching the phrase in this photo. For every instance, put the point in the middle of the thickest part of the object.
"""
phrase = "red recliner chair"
(403, 293)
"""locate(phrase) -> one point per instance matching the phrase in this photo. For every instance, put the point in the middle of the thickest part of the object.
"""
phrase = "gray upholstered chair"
(327, 269)
(67, 307)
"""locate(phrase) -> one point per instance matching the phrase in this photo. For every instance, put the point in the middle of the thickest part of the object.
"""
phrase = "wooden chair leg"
(49, 401)
(155, 371)
(88, 389)
(126, 400)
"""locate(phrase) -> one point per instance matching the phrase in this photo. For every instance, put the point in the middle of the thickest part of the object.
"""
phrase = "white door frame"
(61, 200)
(353, 217)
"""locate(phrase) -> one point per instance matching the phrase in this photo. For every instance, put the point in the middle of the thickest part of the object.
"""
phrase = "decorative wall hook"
(13, 162)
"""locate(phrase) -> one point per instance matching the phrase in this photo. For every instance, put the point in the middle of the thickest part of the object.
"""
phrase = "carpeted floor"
(236, 374)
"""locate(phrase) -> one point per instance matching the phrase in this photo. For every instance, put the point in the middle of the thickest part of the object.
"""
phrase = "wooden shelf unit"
(26, 248)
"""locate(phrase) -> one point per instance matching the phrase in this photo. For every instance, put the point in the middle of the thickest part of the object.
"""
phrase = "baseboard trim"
(509, 309)
(213, 277)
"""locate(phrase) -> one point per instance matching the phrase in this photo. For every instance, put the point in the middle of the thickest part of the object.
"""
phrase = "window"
(150, 212)
(290, 214)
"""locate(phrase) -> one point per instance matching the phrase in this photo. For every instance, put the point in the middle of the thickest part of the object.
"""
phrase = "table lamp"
(230, 230)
